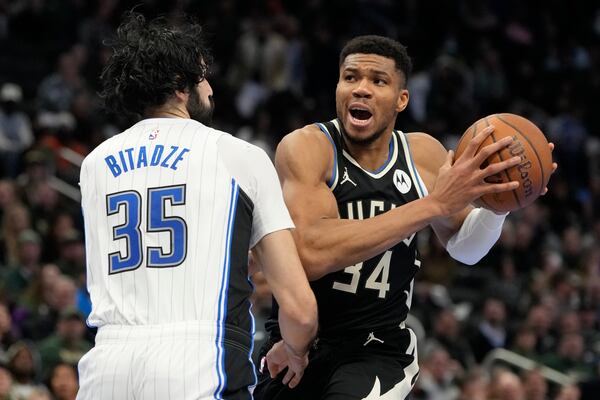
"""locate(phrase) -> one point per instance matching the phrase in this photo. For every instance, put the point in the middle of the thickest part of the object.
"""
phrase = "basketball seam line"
(532, 148)
(501, 159)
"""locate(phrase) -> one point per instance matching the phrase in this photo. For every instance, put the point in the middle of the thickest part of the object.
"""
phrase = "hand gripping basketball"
(461, 180)
(531, 147)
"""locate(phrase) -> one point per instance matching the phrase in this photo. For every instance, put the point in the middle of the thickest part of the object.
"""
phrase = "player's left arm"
(469, 234)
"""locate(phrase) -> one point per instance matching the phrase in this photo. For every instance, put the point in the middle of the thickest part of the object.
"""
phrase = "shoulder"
(308, 138)
(307, 148)
(241, 155)
(427, 152)
(428, 155)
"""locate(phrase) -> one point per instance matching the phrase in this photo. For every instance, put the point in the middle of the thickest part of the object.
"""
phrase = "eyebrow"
(370, 70)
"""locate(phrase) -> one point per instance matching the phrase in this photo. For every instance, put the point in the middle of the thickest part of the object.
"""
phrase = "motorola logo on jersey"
(402, 181)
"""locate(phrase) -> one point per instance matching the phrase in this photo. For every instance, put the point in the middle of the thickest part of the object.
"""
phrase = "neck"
(370, 156)
(168, 112)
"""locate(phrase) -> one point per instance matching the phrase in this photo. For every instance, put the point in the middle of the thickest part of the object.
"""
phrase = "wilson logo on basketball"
(516, 149)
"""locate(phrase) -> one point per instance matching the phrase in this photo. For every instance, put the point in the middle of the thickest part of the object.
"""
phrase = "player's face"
(200, 103)
(370, 93)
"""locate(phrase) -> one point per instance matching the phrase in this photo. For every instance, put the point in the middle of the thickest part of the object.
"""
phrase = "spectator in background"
(15, 129)
(45, 202)
(42, 323)
(67, 345)
(505, 385)
(535, 385)
(8, 196)
(24, 364)
(58, 90)
(540, 321)
(7, 337)
(568, 393)
(569, 357)
(62, 382)
(525, 343)
(40, 393)
(474, 386)
(24, 270)
(61, 222)
(15, 220)
(437, 379)
(447, 333)
(37, 295)
(71, 260)
(491, 332)
(6, 381)
(39, 168)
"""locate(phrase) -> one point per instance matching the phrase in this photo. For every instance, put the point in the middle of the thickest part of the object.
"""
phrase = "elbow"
(315, 263)
(309, 260)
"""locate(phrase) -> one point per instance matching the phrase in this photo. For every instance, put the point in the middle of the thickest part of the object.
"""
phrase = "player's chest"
(360, 195)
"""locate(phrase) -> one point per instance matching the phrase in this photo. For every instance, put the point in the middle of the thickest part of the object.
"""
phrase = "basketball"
(532, 173)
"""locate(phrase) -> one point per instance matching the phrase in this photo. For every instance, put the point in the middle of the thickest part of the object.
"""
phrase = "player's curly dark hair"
(150, 61)
(382, 46)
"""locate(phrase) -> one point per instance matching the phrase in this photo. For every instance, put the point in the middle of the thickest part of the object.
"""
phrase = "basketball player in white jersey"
(171, 208)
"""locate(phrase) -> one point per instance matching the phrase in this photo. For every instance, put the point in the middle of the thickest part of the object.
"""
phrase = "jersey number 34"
(130, 203)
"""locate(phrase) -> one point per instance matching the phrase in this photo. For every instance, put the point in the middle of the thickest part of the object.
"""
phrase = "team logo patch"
(402, 181)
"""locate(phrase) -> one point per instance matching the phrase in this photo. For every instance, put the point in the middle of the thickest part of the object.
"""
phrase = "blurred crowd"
(536, 294)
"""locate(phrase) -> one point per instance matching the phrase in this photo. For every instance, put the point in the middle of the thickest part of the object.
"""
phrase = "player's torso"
(160, 208)
(374, 294)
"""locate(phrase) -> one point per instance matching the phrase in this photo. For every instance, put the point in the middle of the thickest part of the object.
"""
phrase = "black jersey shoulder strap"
(331, 130)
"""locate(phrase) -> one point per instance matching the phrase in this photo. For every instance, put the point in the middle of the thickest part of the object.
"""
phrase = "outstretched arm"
(327, 243)
(469, 234)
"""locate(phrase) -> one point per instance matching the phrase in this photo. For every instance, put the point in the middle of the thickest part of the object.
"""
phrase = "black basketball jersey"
(377, 293)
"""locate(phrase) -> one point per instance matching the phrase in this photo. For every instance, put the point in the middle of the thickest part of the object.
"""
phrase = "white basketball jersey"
(171, 208)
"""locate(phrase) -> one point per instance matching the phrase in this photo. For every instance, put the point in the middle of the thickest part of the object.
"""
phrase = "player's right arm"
(276, 254)
(327, 243)
(297, 304)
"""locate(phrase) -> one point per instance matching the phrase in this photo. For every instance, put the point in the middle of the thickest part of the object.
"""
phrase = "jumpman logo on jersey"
(372, 338)
(346, 177)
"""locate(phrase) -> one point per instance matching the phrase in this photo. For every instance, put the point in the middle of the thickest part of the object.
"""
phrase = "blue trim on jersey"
(390, 152)
(334, 170)
(222, 310)
(253, 330)
(412, 165)
(87, 318)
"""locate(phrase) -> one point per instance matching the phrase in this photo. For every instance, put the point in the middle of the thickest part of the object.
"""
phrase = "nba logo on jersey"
(153, 135)
(402, 181)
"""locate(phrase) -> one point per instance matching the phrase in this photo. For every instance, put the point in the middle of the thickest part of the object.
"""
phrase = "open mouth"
(360, 116)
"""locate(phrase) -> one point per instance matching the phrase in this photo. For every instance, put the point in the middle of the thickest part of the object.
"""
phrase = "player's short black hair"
(150, 61)
(382, 46)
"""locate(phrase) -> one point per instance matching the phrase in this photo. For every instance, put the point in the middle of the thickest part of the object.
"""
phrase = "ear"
(402, 100)
(182, 96)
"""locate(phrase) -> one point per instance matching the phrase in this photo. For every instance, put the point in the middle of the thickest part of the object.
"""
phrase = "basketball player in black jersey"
(358, 192)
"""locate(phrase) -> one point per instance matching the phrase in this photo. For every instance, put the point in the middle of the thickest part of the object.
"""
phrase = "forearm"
(276, 253)
(332, 244)
(298, 333)
(478, 233)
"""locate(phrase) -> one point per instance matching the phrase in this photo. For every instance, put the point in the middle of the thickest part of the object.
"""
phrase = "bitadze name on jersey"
(137, 157)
